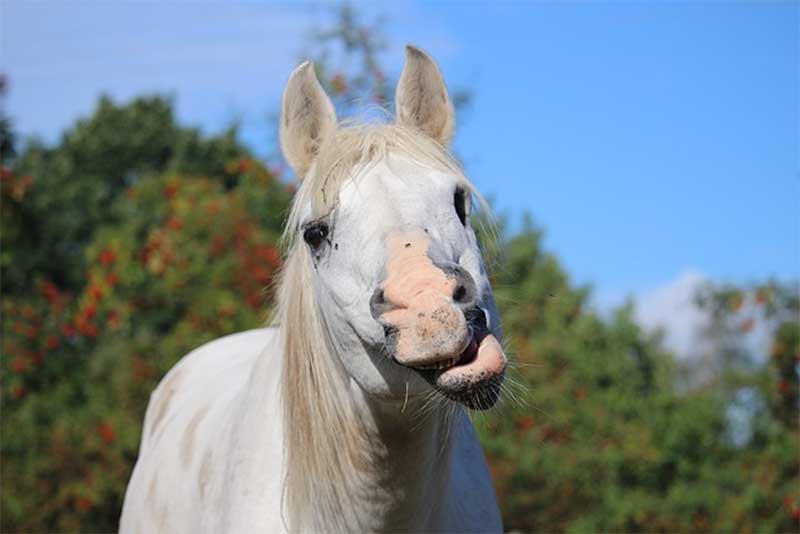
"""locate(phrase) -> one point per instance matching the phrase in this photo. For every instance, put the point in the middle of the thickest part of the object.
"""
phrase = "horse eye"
(460, 204)
(315, 234)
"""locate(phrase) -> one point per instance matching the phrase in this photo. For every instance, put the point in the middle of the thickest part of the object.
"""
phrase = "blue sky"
(648, 139)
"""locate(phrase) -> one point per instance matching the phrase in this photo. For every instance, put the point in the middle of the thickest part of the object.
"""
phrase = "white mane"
(324, 438)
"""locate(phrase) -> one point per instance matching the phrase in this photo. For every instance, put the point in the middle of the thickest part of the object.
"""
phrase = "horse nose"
(464, 292)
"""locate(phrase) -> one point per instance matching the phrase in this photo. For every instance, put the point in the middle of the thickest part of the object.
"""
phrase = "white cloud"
(672, 307)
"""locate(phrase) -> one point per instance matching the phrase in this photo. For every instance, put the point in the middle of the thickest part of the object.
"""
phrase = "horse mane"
(327, 445)
(324, 439)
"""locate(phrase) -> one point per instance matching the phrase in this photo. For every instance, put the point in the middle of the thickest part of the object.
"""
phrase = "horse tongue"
(491, 355)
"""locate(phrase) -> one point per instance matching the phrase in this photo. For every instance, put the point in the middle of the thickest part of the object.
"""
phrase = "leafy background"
(134, 239)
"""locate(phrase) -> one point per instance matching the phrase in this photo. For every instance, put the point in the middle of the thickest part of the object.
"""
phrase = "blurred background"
(642, 160)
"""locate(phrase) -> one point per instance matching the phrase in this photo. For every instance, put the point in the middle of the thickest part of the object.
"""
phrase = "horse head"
(382, 225)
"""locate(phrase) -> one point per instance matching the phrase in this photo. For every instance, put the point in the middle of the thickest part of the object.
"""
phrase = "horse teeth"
(438, 366)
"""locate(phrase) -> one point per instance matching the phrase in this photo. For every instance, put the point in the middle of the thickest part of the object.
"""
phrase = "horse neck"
(412, 456)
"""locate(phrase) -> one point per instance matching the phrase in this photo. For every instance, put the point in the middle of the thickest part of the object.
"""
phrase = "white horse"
(348, 415)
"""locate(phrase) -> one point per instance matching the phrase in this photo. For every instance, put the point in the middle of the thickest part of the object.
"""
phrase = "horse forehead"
(394, 191)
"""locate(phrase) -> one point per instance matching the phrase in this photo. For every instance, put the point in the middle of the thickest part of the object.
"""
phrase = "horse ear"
(422, 100)
(307, 117)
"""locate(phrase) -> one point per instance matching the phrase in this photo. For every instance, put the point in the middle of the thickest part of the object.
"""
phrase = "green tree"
(607, 437)
(69, 188)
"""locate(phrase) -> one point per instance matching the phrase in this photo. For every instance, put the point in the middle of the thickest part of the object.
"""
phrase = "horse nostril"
(465, 292)
(460, 293)
(377, 303)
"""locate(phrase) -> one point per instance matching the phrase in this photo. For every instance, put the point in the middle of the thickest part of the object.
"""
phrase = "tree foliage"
(185, 261)
(606, 439)
(77, 180)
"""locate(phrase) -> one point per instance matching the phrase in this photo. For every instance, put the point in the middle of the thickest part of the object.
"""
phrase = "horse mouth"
(468, 380)
(466, 357)
(473, 378)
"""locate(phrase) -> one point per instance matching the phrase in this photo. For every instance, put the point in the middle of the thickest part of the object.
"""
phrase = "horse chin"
(476, 378)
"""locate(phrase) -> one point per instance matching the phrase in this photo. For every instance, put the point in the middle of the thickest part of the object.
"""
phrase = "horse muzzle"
(474, 376)
(429, 308)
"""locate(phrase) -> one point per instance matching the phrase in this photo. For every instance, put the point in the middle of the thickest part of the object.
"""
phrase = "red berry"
(83, 504)
(18, 365)
(245, 164)
(50, 291)
(51, 343)
(107, 257)
(90, 311)
(170, 191)
(175, 223)
(95, 293)
(525, 423)
(106, 432)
